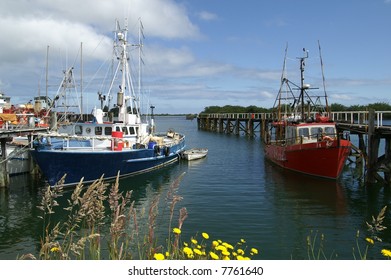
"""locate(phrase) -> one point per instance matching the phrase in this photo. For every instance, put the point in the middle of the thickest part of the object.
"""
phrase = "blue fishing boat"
(124, 146)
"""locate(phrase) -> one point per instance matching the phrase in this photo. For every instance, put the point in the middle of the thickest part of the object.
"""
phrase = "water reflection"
(21, 229)
(308, 190)
(19, 225)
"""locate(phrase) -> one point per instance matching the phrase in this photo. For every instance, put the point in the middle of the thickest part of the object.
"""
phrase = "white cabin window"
(78, 130)
(108, 130)
(316, 131)
(329, 130)
(290, 135)
(131, 130)
(125, 130)
(98, 130)
(304, 131)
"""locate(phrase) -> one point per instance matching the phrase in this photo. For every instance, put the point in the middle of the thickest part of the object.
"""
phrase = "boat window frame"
(108, 130)
(125, 130)
(78, 130)
(98, 130)
(306, 131)
(132, 131)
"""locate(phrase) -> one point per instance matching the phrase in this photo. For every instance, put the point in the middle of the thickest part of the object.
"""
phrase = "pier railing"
(360, 117)
(352, 117)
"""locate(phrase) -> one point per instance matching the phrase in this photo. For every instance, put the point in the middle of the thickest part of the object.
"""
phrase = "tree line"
(334, 107)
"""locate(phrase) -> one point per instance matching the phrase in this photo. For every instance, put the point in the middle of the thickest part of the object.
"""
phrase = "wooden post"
(373, 149)
(221, 123)
(215, 124)
(237, 123)
(3, 166)
(387, 154)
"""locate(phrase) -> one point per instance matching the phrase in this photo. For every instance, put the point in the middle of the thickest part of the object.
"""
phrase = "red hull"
(322, 159)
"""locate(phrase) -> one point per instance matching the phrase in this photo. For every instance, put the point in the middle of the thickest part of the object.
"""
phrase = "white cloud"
(341, 97)
(28, 27)
(207, 16)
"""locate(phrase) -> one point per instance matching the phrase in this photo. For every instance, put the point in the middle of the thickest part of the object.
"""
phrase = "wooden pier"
(6, 135)
(367, 125)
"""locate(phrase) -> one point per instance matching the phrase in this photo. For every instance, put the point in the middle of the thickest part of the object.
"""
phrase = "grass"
(86, 234)
(363, 244)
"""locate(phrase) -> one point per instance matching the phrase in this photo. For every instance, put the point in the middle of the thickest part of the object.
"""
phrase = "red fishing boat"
(302, 137)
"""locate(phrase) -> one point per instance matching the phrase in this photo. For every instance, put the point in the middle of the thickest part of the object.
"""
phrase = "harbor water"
(232, 194)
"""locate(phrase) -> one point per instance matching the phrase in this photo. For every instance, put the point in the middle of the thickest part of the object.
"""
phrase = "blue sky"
(201, 53)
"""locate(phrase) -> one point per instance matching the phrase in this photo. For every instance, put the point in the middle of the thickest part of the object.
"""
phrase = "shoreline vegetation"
(103, 223)
(334, 107)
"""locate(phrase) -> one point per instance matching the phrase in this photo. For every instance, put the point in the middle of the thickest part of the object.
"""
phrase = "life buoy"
(327, 138)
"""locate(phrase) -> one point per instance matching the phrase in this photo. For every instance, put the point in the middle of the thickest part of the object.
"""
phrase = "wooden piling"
(4, 177)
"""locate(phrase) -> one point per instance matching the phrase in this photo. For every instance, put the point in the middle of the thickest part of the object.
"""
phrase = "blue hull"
(91, 165)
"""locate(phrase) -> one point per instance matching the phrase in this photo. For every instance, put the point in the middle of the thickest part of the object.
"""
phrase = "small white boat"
(195, 153)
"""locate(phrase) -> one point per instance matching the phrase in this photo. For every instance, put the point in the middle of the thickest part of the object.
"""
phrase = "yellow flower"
(215, 243)
(205, 235)
(242, 240)
(187, 251)
(226, 258)
(54, 249)
(176, 231)
(240, 251)
(190, 256)
(185, 243)
(194, 241)
(254, 251)
(158, 256)
(198, 252)
(167, 254)
(213, 256)
(386, 253)
(227, 245)
(370, 240)
(221, 248)
(225, 253)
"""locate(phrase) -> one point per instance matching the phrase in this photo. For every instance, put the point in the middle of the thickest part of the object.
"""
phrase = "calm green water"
(234, 193)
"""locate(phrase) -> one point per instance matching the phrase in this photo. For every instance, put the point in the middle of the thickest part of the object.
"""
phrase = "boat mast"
(324, 81)
(302, 86)
(140, 45)
(81, 81)
(47, 74)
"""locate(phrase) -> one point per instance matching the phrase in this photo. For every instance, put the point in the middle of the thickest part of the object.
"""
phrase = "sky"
(200, 53)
